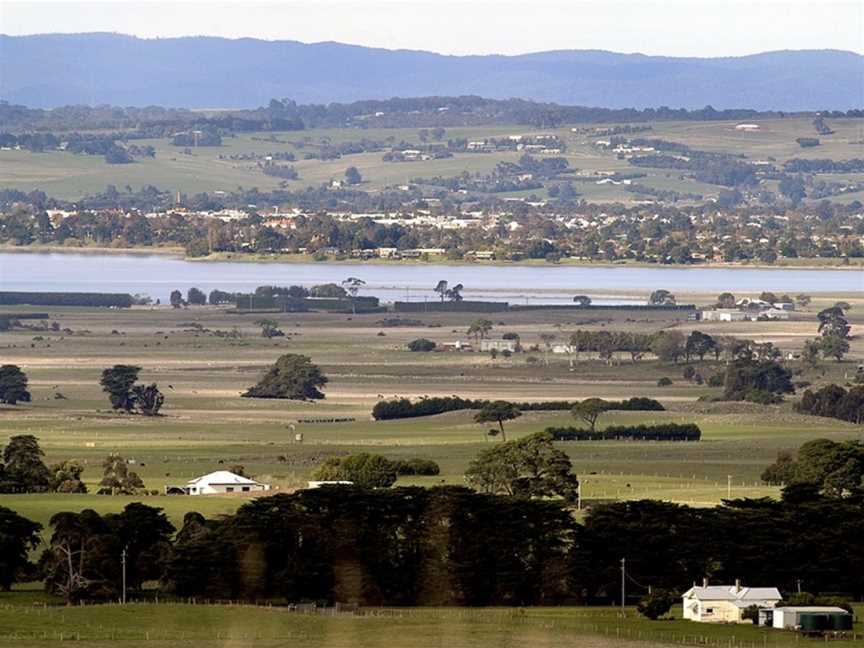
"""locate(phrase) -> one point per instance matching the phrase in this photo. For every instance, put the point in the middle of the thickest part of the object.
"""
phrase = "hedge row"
(120, 300)
(403, 408)
(662, 432)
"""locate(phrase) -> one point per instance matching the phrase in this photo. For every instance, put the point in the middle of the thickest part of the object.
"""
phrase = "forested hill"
(55, 69)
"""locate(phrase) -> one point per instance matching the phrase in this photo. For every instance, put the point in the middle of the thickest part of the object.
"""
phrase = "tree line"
(443, 546)
(405, 408)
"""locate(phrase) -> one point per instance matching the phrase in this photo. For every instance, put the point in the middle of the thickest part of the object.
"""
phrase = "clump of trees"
(835, 468)
(19, 536)
(293, 376)
(527, 467)
(23, 470)
(758, 381)
(117, 479)
(833, 401)
(13, 385)
(119, 383)
(364, 470)
(657, 603)
(83, 561)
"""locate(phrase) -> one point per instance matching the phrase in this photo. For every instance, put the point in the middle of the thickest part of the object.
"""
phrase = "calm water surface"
(158, 275)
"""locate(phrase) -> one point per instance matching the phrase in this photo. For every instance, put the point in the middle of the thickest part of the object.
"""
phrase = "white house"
(723, 315)
(319, 484)
(726, 603)
(498, 345)
(222, 481)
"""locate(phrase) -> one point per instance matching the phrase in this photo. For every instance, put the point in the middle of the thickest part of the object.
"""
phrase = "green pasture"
(25, 624)
(70, 176)
(206, 425)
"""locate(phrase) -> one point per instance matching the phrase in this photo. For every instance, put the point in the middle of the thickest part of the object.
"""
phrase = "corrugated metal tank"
(840, 621)
(813, 622)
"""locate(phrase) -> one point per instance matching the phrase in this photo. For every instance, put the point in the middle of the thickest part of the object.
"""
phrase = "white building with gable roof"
(726, 603)
(222, 482)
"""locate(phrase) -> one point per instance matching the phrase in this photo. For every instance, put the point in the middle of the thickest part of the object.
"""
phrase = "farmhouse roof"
(728, 593)
(222, 478)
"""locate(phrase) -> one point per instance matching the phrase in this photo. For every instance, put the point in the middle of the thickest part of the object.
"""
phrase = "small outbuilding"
(223, 482)
(808, 618)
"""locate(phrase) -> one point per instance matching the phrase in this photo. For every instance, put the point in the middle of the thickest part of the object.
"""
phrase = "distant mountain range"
(58, 69)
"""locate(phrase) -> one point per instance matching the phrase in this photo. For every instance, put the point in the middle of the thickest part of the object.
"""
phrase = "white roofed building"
(222, 482)
(726, 603)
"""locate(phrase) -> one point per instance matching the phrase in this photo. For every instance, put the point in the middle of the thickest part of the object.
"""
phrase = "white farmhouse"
(498, 345)
(221, 482)
(726, 603)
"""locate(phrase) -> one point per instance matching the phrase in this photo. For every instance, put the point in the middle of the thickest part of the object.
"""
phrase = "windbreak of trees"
(451, 546)
(662, 432)
(405, 408)
(119, 300)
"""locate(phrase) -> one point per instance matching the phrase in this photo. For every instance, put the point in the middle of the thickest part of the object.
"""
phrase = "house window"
(245, 489)
(193, 489)
(709, 610)
(229, 489)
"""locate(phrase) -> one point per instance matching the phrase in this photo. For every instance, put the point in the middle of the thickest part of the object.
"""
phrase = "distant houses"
(748, 310)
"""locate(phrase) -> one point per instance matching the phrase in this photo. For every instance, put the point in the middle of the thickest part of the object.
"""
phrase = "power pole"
(728, 486)
(123, 558)
(623, 584)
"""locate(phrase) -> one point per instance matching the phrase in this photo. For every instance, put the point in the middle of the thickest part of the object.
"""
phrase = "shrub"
(421, 345)
(762, 397)
(417, 466)
(664, 382)
(656, 604)
(715, 380)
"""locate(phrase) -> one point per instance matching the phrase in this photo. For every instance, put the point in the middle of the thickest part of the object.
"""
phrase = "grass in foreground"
(197, 626)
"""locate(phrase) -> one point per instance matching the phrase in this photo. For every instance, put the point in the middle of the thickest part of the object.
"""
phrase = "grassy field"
(24, 623)
(207, 425)
(69, 176)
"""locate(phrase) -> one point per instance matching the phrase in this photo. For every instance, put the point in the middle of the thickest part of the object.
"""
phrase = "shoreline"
(235, 257)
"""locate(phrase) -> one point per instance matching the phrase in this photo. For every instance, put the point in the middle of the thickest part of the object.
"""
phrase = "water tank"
(839, 621)
(813, 621)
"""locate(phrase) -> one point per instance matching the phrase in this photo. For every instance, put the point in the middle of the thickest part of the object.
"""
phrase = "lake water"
(158, 275)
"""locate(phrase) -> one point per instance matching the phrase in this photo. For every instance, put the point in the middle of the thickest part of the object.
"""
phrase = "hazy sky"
(670, 27)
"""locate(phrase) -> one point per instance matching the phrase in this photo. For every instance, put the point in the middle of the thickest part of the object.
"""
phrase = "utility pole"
(579, 496)
(623, 585)
(728, 486)
(123, 558)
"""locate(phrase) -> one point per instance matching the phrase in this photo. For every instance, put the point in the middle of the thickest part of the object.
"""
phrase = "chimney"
(704, 582)
(737, 585)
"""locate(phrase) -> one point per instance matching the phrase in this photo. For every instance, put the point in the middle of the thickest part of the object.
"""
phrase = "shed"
(812, 617)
